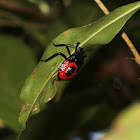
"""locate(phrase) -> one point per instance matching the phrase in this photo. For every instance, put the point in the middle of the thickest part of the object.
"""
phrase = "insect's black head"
(82, 51)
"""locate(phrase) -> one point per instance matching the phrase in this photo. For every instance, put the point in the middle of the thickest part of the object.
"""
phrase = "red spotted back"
(67, 70)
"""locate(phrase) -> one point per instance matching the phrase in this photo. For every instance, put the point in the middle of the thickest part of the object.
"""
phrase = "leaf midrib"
(108, 25)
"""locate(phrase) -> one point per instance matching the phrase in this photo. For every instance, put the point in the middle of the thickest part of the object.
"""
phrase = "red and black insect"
(71, 64)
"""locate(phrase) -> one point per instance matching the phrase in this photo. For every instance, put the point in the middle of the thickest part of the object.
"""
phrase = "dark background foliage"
(106, 84)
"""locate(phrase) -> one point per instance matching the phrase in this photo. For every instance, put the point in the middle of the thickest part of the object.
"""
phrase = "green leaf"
(126, 126)
(14, 68)
(38, 88)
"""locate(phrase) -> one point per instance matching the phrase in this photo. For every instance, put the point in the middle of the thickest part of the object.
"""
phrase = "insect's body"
(67, 70)
(71, 64)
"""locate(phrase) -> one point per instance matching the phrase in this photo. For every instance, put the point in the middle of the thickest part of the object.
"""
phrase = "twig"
(123, 34)
(132, 47)
(102, 6)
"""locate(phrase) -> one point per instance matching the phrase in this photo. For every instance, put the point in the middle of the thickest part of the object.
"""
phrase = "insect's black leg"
(55, 80)
(77, 45)
(59, 45)
(61, 54)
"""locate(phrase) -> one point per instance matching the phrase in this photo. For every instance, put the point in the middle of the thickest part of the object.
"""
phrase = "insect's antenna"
(90, 50)
(71, 46)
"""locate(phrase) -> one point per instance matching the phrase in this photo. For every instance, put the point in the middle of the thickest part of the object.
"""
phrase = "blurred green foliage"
(91, 101)
(14, 70)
